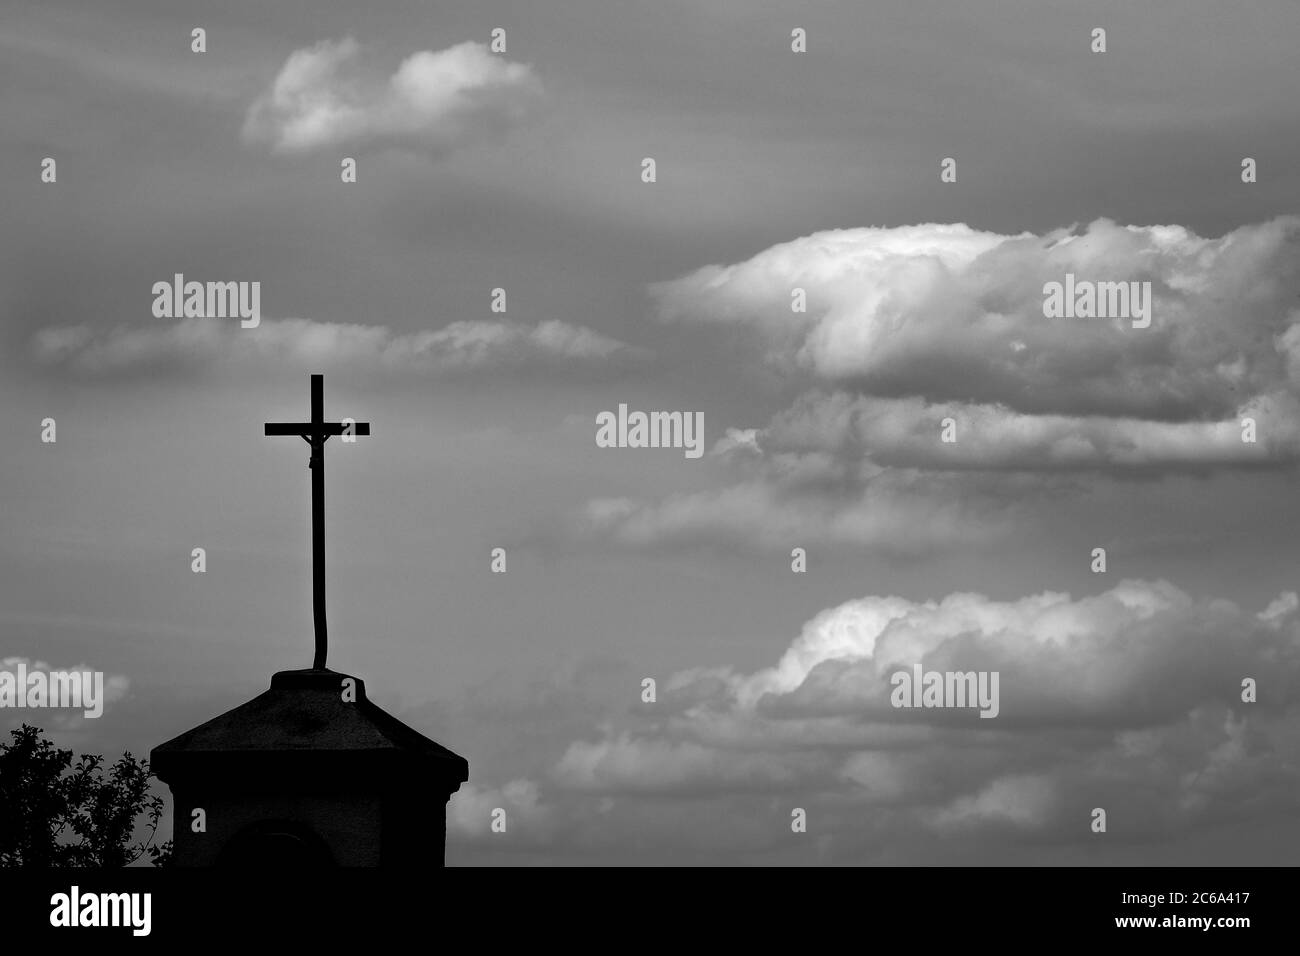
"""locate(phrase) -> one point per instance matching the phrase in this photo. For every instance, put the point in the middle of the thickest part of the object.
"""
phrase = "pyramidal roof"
(305, 713)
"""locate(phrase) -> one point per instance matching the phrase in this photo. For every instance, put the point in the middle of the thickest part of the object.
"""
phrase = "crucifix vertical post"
(315, 432)
(317, 466)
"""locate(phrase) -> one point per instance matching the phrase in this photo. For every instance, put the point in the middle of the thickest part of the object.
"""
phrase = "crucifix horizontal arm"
(309, 430)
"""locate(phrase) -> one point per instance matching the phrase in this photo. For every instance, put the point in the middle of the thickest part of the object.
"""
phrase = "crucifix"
(314, 433)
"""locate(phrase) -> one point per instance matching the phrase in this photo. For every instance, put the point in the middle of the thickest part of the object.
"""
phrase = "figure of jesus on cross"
(315, 432)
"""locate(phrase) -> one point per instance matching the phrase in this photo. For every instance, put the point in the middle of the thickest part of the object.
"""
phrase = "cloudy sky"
(775, 170)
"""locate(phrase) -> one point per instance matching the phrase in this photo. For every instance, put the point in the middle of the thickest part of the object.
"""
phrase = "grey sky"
(630, 564)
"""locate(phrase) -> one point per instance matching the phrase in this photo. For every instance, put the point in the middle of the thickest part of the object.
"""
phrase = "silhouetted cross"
(315, 432)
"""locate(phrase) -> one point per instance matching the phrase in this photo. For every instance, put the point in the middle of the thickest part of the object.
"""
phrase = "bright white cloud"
(908, 327)
(1146, 677)
(321, 99)
(948, 313)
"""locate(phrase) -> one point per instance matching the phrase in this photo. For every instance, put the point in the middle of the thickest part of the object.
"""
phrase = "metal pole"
(318, 518)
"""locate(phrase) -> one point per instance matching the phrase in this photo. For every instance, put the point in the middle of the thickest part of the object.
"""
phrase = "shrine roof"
(305, 711)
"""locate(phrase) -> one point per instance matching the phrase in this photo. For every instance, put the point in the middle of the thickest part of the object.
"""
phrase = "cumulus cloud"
(1139, 653)
(909, 328)
(321, 99)
(1129, 699)
(468, 346)
(949, 313)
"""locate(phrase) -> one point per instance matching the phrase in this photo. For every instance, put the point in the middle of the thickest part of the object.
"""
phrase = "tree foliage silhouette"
(57, 814)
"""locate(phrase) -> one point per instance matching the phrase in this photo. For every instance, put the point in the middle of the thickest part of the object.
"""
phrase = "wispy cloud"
(468, 346)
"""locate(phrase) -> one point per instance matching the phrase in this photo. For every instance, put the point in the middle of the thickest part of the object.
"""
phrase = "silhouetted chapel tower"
(310, 773)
